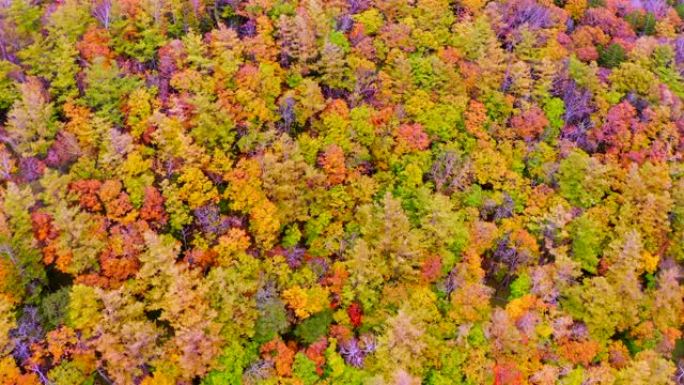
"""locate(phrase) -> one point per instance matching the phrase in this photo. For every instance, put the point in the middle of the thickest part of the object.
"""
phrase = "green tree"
(587, 241)
(107, 88)
(31, 123)
(84, 309)
(17, 246)
(582, 179)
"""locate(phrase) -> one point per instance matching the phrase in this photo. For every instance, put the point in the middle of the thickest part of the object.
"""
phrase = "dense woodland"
(345, 192)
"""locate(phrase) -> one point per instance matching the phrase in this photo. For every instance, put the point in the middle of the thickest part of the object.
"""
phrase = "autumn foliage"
(305, 192)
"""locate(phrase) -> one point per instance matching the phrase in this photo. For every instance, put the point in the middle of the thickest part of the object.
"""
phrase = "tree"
(647, 368)
(403, 343)
(170, 289)
(336, 74)
(107, 88)
(305, 302)
(78, 250)
(7, 323)
(152, 209)
(281, 354)
(84, 309)
(196, 189)
(213, 127)
(530, 124)
(126, 338)
(246, 195)
(332, 161)
(587, 240)
(31, 124)
(630, 77)
(304, 369)
(410, 137)
(18, 250)
(7, 87)
(611, 56)
(582, 179)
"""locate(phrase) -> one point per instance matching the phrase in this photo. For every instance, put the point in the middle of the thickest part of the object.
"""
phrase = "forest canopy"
(303, 192)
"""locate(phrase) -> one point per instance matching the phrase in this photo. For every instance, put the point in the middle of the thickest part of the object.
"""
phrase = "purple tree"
(365, 88)
(345, 23)
(247, 29)
(294, 256)
(28, 332)
(287, 114)
(31, 168)
(657, 7)
(63, 151)
(210, 220)
(577, 100)
(102, 11)
(352, 353)
(679, 50)
(518, 13)
(356, 6)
